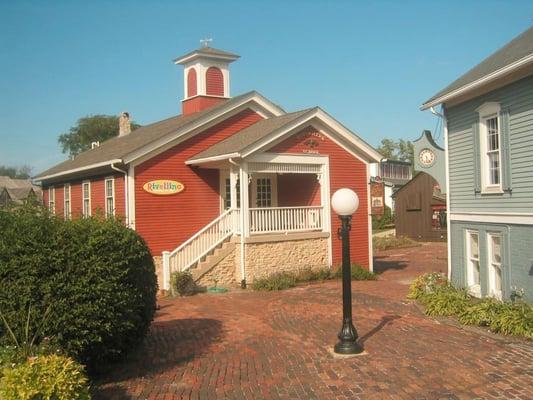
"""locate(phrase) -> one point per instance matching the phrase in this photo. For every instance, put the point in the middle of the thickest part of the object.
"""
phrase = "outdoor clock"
(426, 157)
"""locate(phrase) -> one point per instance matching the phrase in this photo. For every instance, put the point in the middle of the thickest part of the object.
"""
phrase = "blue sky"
(369, 64)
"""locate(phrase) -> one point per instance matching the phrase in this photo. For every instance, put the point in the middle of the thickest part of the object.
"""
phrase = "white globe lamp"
(345, 202)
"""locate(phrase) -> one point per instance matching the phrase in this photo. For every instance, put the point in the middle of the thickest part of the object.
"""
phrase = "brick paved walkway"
(250, 345)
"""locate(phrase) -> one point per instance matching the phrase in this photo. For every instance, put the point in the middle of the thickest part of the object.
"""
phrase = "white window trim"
(67, 210)
(490, 268)
(85, 213)
(112, 179)
(487, 111)
(274, 188)
(52, 199)
(473, 288)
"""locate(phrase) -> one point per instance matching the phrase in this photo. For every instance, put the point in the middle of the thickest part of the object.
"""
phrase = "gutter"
(126, 191)
(80, 169)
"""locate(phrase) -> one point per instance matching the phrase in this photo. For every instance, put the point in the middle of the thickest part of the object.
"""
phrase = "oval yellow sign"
(163, 187)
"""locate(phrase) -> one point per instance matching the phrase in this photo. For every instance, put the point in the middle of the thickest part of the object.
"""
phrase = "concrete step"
(212, 260)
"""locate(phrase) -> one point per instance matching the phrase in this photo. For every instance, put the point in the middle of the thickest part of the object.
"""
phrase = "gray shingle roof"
(516, 49)
(119, 147)
(248, 136)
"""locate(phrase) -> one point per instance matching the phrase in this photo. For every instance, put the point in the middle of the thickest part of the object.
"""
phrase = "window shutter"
(477, 158)
(505, 150)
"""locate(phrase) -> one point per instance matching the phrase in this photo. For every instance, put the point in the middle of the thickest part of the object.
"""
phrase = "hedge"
(96, 276)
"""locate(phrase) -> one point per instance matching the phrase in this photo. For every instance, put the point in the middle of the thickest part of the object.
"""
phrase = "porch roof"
(235, 144)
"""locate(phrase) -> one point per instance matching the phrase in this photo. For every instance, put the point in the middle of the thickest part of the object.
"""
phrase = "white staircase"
(199, 246)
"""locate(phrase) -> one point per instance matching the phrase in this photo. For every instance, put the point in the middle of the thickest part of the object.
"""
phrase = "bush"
(182, 283)
(97, 277)
(446, 301)
(314, 274)
(358, 273)
(277, 281)
(44, 377)
(383, 221)
(426, 284)
(392, 242)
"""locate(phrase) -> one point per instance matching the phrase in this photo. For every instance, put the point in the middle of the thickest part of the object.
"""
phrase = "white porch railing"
(285, 219)
(204, 241)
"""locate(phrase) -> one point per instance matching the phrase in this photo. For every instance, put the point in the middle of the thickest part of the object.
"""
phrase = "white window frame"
(52, 199)
(486, 112)
(86, 212)
(492, 266)
(67, 204)
(473, 287)
(109, 213)
(224, 176)
(273, 188)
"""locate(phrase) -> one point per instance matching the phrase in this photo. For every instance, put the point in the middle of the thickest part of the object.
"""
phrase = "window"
(109, 197)
(52, 199)
(264, 192)
(495, 264)
(227, 194)
(66, 205)
(86, 199)
(472, 262)
(490, 147)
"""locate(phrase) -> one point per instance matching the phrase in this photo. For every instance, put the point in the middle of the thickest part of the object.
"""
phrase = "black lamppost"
(345, 202)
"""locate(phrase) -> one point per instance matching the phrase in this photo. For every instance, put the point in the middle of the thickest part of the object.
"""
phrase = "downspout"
(126, 194)
(448, 189)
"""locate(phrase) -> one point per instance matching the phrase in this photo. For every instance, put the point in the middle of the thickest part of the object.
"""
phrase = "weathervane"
(205, 42)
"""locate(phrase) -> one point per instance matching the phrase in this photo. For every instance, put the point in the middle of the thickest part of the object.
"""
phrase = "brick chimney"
(205, 78)
(124, 124)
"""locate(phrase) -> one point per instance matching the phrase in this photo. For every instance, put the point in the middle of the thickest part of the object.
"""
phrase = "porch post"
(233, 176)
(245, 227)
(326, 207)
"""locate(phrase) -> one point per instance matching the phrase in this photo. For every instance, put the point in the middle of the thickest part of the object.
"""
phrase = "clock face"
(426, 157)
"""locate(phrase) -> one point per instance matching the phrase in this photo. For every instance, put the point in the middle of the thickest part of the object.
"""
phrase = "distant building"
(17, 191)
(386, 178)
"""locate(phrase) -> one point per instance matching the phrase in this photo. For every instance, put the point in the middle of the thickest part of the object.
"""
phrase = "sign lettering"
(163, 187)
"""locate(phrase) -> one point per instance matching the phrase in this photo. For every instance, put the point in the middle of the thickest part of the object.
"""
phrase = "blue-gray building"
(488, 116)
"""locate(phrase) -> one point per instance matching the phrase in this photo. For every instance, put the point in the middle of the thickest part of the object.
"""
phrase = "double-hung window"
(490, 148)
(52, 199)
(495, 264)
(109, 197)
(66, 201)
(86, 199)
(472, 262)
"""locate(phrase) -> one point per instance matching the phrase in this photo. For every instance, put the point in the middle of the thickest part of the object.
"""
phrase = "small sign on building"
(163, 187)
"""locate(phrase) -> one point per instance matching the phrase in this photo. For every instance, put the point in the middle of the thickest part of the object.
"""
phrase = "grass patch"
(392, 242)
(286, 280)
(441, 298)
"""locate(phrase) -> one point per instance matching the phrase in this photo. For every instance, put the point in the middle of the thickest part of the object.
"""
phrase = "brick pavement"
(257, 345)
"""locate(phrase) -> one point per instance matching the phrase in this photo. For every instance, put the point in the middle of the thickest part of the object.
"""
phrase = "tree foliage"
(401, 150)
(22, 172)
(92, 128)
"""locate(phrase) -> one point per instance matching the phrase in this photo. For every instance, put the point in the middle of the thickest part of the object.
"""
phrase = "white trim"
(71, 171)
(448, 204)
(83, 198)
(491, 269)
(244, 216)
(107, 179)
(369, 212)
(473, 288)
(479, 82)
(273, 187)
(327, 209)
(129, 187)
(493, 218)
(288, 158)
(211, 159)
(67, 212)
(487, 111)
(52, 203)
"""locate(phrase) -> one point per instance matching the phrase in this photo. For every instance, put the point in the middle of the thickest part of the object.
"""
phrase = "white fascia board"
(80, 169)
(362, 147)
(288, 158)
(493, 218)
(254, 99)
(211, 159)
(192, 57)
(479, 82)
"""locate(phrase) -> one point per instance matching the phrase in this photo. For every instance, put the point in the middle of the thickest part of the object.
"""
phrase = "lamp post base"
(348, 348)
(348, 339)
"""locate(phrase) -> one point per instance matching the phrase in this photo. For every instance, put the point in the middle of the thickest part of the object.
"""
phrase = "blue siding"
(518, 97)
(517, 256)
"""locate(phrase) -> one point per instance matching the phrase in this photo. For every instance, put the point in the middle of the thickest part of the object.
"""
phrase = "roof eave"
(212, 159)
(478, 82)
(192, 56)
(75, 170)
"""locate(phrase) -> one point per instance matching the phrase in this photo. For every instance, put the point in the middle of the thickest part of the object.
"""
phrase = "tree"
(22, 172)
(92, 128)
(402, 150)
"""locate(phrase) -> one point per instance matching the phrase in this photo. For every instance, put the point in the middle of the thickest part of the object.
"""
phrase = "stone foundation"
(223, 273)
(158, 263)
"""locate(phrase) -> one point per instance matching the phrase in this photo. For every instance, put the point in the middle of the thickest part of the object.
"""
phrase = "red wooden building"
(234, 188)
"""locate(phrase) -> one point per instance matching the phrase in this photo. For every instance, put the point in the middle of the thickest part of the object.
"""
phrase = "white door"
(264, 191)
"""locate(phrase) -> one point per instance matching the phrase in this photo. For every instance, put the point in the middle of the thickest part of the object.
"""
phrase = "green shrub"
(277, 281)
(48, 377)
(358, 273)
(97, 277)
(392, 242)
(383, 221)
(480, 312)
(314, 274)
(426, 284)
(182, 283)
(446, 301)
